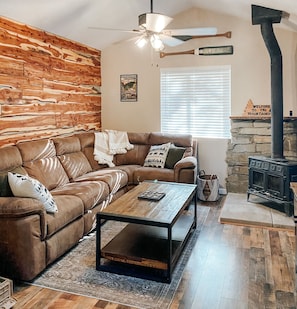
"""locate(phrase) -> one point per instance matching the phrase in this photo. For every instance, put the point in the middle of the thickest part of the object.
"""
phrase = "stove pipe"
(266, 17)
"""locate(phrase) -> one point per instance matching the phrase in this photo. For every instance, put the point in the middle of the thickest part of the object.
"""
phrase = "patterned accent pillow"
(157, 156)
(25, 186)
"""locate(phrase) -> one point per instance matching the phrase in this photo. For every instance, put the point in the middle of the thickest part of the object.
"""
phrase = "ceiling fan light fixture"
(154, 22)
(156, 42)
(142, 41)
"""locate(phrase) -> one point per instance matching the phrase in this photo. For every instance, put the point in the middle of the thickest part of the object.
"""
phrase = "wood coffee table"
(156, 233)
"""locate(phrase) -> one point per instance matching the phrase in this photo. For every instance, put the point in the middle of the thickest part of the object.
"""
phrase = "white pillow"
(157, 155)
(25, 186)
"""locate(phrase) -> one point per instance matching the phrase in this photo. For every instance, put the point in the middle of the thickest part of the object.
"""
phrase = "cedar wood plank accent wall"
(49, 86)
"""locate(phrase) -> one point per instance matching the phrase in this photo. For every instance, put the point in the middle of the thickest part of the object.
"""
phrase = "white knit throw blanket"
(109, 143)
(118, 142)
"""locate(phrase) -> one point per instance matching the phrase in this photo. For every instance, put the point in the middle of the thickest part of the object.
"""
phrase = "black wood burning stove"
(270, 178)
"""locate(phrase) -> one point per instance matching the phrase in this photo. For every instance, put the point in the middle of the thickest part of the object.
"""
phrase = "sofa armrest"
(185, 170)
(12, 208)
(187, 162)
(22, 230)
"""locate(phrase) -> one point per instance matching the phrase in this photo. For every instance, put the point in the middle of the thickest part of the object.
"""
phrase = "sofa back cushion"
(36, 150)
(65, 145)
(136, 155)
(143, 141)
(69, 152)
(40, 162)
(179, 140)
(11, 161)
(10, 158)
(87, 146)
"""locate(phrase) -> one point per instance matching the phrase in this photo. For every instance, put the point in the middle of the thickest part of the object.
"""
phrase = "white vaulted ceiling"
(72, 18)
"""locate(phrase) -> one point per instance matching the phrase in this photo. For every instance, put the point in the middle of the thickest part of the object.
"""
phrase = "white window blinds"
(196, 101)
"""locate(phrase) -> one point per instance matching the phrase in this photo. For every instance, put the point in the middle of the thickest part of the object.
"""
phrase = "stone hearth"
(252, 136)
(237, 210)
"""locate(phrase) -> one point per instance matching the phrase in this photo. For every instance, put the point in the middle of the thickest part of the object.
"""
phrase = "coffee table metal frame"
(188, 193)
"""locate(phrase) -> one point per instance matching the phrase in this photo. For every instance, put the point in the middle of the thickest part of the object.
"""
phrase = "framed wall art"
(128, 87)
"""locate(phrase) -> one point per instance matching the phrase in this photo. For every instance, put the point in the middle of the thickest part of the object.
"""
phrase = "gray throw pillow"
(174, 155)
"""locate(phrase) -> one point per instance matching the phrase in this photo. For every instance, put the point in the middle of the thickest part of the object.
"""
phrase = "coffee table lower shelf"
(144, 250)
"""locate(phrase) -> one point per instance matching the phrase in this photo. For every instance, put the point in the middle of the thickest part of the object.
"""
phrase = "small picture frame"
(128, 84)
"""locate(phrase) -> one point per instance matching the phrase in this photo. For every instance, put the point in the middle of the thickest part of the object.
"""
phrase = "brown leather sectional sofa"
(30, 237)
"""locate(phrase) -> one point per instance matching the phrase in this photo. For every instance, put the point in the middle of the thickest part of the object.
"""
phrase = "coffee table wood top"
(164, 211)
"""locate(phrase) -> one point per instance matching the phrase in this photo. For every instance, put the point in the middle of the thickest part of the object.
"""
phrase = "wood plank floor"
(232, 267)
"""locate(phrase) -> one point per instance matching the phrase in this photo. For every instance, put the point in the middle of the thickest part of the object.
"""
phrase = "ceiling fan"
(152, 30)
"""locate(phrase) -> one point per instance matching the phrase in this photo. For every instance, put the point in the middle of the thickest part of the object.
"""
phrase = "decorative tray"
(151, 195)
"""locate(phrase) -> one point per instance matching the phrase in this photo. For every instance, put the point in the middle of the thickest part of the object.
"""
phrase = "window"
(196, 101)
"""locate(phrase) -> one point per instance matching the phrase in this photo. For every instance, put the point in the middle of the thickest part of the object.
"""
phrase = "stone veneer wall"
(251, 136)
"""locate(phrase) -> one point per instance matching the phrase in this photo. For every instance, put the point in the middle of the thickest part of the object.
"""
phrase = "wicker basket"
(208, 187)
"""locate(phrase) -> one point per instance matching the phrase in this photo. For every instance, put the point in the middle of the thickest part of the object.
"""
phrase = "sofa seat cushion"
(115, 178)
(90, 192)
(129, 170)
(153, 173)
(70, 208)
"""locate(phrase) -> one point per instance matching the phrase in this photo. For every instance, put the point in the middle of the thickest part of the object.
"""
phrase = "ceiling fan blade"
(170, 41)
(136, 31)
(133, 40)
(191, 31)
(190, 37)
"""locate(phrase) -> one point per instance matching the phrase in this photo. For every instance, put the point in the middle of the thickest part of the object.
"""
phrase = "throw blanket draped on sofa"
(109, 143)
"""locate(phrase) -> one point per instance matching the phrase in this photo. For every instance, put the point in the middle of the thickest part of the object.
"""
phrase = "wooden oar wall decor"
(203, 51)
(206, 51)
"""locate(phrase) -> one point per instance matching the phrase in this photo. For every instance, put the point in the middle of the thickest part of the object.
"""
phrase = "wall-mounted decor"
(216, 50)
(128, 87)
(252, 110)
(203, 51)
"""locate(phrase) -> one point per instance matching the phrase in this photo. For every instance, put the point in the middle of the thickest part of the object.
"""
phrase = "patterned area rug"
(75, 273)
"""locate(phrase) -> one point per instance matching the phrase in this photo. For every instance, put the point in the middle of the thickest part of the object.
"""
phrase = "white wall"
(250, 65)
(212, 153)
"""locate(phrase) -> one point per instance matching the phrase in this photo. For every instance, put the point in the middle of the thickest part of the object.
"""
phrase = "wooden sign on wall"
(252, 110)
